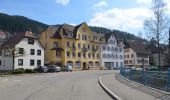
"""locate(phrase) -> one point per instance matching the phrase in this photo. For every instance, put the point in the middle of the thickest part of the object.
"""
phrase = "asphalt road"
(81, 85)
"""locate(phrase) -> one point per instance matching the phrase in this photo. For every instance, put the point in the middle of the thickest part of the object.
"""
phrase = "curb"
(109, 92)
(144, 85)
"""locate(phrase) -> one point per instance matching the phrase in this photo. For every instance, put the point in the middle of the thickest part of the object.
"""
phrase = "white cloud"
(123, 19)
(168, 6)
(144, 1)
(63, 2)
(100, 4)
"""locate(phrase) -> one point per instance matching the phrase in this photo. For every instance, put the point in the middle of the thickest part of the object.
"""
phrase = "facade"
(72, 45)
(154, 55)
(112, 53)
(21, 51)
(136, 55)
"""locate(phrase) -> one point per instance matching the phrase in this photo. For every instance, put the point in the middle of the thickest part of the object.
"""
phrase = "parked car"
(41, 69)
(54, 68)
(69, 68)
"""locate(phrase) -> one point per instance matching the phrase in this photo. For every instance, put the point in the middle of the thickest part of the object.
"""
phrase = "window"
(79, 54)
(120, 49)
(90, 63)
(20, 62)
(21, 51)
(108, 48)
(68, 54)
(88, 46)
(93, 55)
(73, 45)
(31, 62)
(84, 55)
(79, 45)
(116, 49)
(112, 48)
(89, 55)
(58, 54)
(84, 37)
(32, 51)
(56, 44)
(68, 44)
(132, 56)
(0, 62)
(39, 52)
(73, 54)
(117, 65)
(130, 61)
(121, 57)
(104, 48)
(38, 62)
(126, 61)
(89, 37)
(30, 41)
(116, 56)
(127, 56)
(78, 64)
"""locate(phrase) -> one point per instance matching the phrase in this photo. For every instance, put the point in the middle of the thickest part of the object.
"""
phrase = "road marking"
(16, 80)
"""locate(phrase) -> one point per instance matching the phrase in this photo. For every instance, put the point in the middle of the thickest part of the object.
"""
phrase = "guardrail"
(156, 79)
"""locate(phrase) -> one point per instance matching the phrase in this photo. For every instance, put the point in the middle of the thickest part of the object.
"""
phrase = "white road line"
(16, 80)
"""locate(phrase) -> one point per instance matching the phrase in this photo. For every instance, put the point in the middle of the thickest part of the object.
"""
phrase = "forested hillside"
(19, 24)
(14, 24)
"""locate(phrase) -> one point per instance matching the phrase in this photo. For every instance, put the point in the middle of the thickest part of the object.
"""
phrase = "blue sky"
(126, 15)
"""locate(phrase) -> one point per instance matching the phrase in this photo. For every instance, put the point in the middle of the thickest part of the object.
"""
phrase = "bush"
(19, 71)
(29, 71)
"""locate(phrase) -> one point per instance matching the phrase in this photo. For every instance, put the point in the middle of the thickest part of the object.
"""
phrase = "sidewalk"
(130, 91)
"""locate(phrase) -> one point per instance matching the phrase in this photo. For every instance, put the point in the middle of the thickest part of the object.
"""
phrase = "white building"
(112, 53)
(21, 51)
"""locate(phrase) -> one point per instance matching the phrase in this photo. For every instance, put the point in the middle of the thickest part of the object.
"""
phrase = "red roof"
(17, 38)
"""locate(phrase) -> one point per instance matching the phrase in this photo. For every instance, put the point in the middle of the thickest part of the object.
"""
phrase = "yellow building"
(71, 45)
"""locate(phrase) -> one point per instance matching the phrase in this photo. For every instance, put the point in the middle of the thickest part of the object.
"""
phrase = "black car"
(41, 69)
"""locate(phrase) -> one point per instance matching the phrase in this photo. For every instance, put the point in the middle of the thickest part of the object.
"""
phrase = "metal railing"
(156, 79)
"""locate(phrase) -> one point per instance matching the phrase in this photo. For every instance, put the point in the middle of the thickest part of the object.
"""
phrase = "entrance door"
(84, 65)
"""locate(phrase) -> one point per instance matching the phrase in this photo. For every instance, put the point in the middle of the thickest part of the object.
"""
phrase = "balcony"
(58, 49)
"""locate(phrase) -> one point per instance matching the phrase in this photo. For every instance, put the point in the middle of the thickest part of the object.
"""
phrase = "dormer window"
(56, 44)
(30, 41)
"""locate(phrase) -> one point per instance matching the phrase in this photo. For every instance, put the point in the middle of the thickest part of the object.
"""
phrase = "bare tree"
(157, 25)
(15, 52)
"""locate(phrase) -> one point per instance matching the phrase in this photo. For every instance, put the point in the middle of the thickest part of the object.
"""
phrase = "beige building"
(136, 55)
